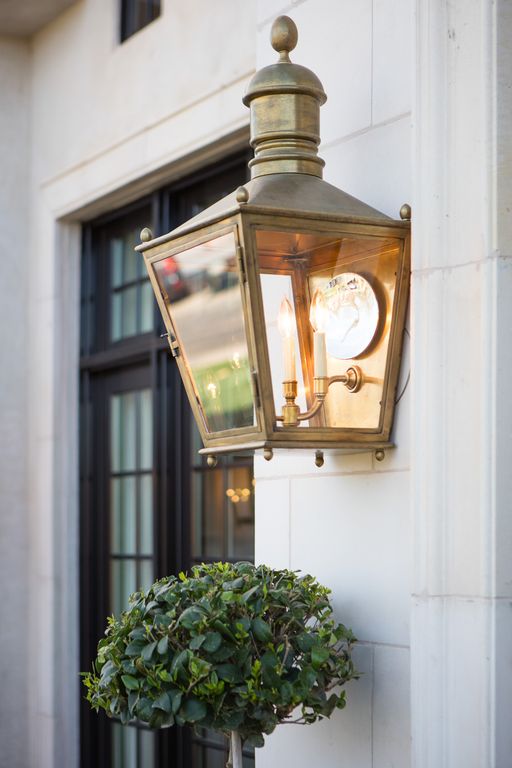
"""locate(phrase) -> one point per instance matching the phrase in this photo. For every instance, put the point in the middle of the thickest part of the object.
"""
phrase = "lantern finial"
(284, 36)
(285, 100)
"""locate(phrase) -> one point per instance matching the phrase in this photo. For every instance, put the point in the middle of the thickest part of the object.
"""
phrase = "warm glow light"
(286, 319)
(212, 390)
(318, 312)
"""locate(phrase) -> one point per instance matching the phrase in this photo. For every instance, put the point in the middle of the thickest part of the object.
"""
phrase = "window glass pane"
(128, 432)
(124, 746)
(147, 307)
(116, 261)
(240, 517)
(122, 505)
(202, 290)
(122, 432)
(131, 297)
(116, 317)
(210, 502)
(147, 748)
(146, 429)
(146, 574)
(123, 583)
(129, 311)
(146, 514)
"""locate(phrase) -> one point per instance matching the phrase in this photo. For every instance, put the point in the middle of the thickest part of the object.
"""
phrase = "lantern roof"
(286, 194)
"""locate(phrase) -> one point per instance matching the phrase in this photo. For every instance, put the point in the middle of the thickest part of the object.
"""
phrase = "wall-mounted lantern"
(285, 302)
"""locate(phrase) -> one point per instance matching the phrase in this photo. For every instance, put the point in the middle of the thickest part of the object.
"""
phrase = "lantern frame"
(243, 218)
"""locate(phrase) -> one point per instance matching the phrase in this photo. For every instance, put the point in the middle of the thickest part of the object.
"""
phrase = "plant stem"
(235, 750)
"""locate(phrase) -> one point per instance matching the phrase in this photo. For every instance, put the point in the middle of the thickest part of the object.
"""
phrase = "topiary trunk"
(235, 751)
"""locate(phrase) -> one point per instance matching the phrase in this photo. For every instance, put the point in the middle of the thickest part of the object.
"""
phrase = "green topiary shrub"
(236, 648)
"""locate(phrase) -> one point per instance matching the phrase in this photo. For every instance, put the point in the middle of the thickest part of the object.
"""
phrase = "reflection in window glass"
(204, 281)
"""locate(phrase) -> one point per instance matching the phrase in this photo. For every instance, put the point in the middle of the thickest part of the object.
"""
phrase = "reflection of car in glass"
(176, 288)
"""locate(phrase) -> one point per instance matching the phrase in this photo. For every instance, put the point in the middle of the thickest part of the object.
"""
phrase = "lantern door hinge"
(173, 343)
(241, 265)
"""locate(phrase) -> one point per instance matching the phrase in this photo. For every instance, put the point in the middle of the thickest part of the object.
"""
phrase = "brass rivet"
(380, 454)
(242, 195)
(284, 34)
(268, 454)
(319, 458)
(405, 212)
(211, 461)
(146, 235)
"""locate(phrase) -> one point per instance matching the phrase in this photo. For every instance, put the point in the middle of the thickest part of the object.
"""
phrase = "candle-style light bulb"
(318, 312)
(318, 315)
(286, 325)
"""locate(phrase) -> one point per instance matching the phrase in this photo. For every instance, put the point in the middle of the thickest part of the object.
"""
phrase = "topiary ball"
(228, 647)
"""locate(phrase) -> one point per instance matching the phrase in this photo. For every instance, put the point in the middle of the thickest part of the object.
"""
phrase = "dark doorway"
(149, 504)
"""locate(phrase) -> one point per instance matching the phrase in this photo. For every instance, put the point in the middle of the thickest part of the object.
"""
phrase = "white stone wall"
(418, 90)
(461, 636)
(14, 211)
(349, 522)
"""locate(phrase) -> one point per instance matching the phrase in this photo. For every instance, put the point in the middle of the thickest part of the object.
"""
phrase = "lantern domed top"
(285, 100)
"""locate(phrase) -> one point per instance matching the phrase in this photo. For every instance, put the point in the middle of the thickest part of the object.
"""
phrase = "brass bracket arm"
(291, 416)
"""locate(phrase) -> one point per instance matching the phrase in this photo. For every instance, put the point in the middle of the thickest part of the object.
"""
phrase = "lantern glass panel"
(354, 279)
(202, 292)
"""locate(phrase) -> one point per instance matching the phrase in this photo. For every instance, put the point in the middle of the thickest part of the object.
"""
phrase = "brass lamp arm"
(291, 416)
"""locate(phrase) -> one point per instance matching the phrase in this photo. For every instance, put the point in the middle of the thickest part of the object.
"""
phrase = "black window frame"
(102, 361)
(131, 18)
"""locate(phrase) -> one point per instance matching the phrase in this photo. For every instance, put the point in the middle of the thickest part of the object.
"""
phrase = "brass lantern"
(285, 302)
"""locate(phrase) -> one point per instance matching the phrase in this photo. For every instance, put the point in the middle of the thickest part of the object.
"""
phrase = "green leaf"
(305, 642)
(235, 584)
(233, 720)
(148, 650)
(250, 592)
(212, 642)
(176, 697)
(228, 672)
(190, 617)
(193, 710)
(319, 655)
(163, 702)
(130, 682)
(133, 698)
(197, 642)
(163, 644)
(135, 648)
(228, 597)
(261, 630)
(255, 740)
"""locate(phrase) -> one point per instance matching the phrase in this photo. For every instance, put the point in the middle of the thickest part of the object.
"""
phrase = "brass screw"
(242, 195)
(146, 235)
(405, 212)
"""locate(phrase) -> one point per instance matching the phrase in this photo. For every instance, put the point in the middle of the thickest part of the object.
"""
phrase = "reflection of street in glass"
(202, 287)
